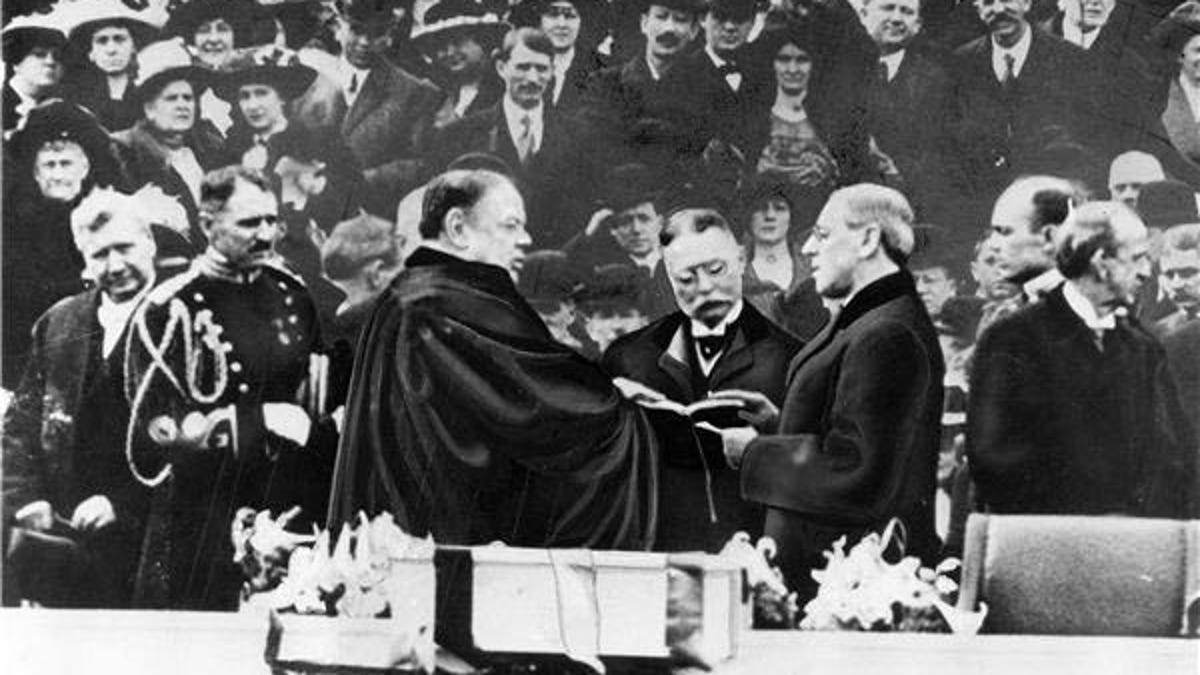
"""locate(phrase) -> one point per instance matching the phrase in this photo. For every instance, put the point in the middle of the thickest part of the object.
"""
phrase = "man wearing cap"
(109, 34)
(714, 341)
(1072, 408)
(383, 113)
(63, 436)
(542, 146)
(630, 102)
(574, 27)
(216, 359)
(625, 231)
(33, 52)
(168, 146)
(459, 36)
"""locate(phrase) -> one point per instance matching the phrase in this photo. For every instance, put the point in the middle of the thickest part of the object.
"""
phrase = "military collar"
(213, 265)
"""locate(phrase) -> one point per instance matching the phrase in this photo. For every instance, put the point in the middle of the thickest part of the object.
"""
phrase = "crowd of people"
(504, 269)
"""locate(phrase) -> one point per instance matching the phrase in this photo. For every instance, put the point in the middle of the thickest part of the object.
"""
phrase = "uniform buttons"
(235, 367)
(198, 297)
(293, 319)
(243, 387)
(289, 301)
(282, 286)
(226, 347)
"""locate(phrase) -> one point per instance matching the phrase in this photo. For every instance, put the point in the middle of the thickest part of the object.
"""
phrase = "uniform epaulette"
(162, 293)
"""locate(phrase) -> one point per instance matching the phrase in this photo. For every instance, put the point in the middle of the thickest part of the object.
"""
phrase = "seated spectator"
(1179, 274)
(1129, 172)
(549, 282)
(607, 304)
(104, 43)
(459, 36)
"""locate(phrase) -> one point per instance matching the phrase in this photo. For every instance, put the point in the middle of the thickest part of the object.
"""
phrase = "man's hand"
(757, 409)
(636, 391)
(735, 441)
(35, 516)
(93, 513)
(287, 420)
(597, 220)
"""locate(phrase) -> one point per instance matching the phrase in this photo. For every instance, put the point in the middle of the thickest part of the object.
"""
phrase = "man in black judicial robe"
(466, 420)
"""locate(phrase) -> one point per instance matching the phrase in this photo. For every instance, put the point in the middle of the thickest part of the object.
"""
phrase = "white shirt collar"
(1073, 34)
(348, 73)
(649, 262)
(701, 330)
(654, 74)
(1084, 309)
(513, 114)
(1043, 283)
(892, 63)
(1019, 52)
(113, 316)
(1192, 93)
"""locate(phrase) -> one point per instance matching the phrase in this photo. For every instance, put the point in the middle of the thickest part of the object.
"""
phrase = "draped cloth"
(467, 421)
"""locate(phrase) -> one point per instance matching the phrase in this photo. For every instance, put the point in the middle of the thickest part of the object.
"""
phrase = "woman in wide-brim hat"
(459, 37)
(102, 67)
(213, 29)
(32, 48)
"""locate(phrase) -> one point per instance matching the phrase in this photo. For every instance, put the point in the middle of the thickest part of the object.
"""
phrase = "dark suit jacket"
(583, 66)
(557, 182)
(631, 110)
(1055, 426)
(660, 357)
(1000, 134)
(386, 129)
(703, 103)
(63, 440)
(1183, 355)
(858, 435)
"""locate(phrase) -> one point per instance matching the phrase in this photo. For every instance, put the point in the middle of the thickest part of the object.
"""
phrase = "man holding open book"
(714, 342)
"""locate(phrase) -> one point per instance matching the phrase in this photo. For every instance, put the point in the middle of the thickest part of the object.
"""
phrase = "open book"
(718, 412)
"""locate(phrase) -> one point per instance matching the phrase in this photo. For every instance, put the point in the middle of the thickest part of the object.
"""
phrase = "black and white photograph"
(630, 337)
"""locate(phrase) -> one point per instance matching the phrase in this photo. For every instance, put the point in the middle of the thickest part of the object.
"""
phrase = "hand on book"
(757, 409)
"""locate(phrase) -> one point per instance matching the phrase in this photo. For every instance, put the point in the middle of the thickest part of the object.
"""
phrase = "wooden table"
(178, 643)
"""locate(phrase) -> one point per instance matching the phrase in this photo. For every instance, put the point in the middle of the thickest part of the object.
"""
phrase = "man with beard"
(630, 103)
(459, 37)
(34, 54)
(541, 146)
(856, 443)
(1072, 408)
(63, 434)
(466, 420)
(909, 102)
(51, 164)
(166, 146)
(574, 27)
(109, 34)
(715, 341)
(1016, 90)
(216, 358)
(382, 112)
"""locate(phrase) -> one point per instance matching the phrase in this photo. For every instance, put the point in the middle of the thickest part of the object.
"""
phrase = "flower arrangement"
(773, 605)
(861, 591)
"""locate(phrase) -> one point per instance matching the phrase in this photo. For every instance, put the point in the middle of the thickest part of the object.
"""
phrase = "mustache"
(669, 40)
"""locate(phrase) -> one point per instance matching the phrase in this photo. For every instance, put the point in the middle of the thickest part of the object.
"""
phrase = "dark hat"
(369, 11)
(242, 15)
(454, 17)
(611, 289)
(1164, 203)
(735, 9)
(92, 15)
(960, 317)
(628, 185)
(279, 69)
(593, 14)
(548, 276)
(1173, 32)
(765, 185)
(797, 32)
(692, 195)
(165, 62)
(931, 248)
(696, 7)
(26, 33)
(59, 120)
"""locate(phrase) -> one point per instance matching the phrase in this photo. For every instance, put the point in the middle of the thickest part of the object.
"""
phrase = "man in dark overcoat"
(714, 341)
(856, 442)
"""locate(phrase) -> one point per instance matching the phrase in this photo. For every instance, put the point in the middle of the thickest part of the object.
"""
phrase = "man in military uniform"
(217, 356)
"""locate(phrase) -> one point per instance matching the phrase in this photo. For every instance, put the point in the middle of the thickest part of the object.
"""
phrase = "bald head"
(1023, 222)
(1129, 172)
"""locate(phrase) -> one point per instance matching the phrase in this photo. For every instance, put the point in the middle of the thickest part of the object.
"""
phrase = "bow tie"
(710, 345)
(729, 68)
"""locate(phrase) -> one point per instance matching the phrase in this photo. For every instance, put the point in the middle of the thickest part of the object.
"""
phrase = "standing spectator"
(105, 41)
(382, 112)
(1082, 23)
(1016, 91)
(1129, 172)
(212, 439)
(909, 99)
(574, 28)
(63, 434)
(1162, 205)
(1072, 410)
(541, 146)
(856, 443)
(459, 37)
(1179, 271)
(713, 342)
(33, 52)
(1179, 36)
(167, 147)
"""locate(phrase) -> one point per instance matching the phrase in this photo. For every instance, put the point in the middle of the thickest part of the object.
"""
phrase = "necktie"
(710, 345)
(1010, 72)
(354, 84)
(525, 142)
(882, 72)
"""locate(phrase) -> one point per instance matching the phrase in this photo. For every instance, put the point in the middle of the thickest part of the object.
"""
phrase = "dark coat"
(858, 436)
(557, 182)
(1183, 356)
(631, 110)
(386, 129)
(63, 441)
(1000, 133)
(703, 103)
(1057, 426)
(589, 254)
(583, 66)
(90, 90)
(660, 356)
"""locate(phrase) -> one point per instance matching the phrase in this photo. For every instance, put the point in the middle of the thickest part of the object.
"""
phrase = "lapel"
(674, 361)
(1181, 125)
(739, 357)
(374, 92)
(72, 359)
(818, 343)
(499, 141)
